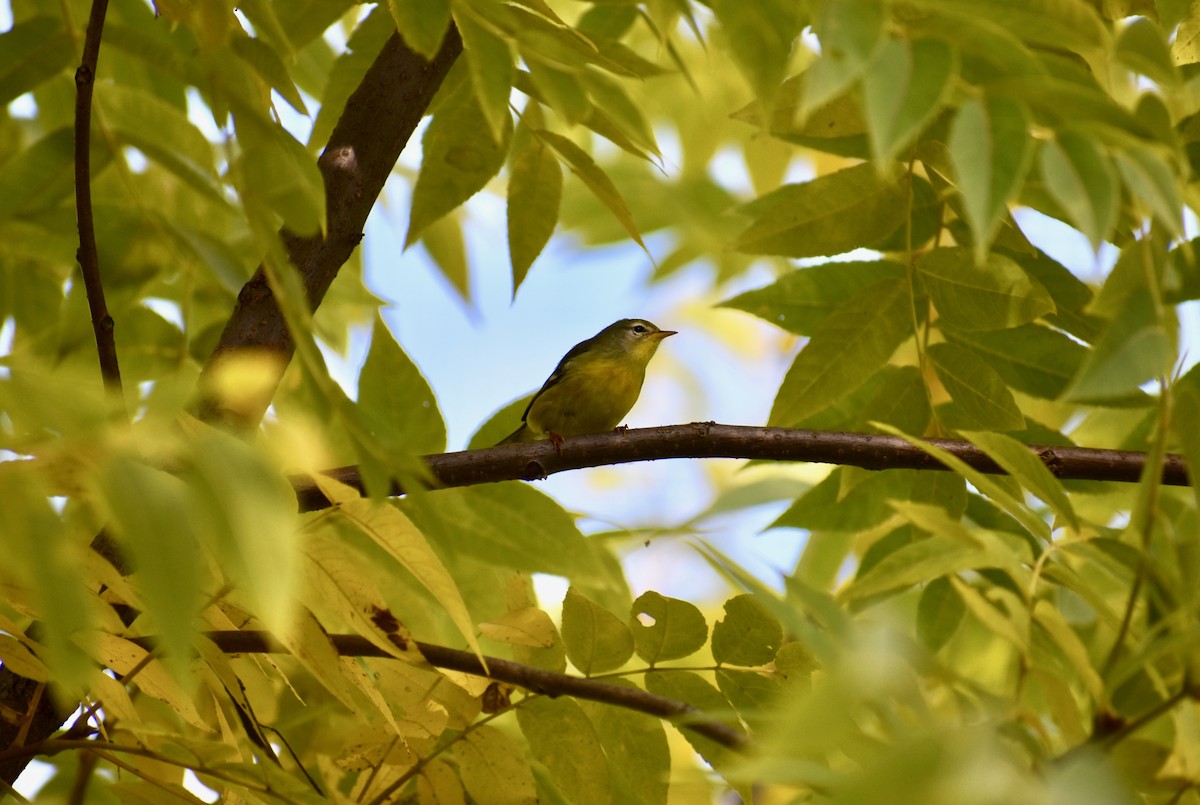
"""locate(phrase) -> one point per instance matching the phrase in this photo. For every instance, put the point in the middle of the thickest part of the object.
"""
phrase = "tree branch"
(536, 460)
(89, 259)
(533, 679)
(379, 118)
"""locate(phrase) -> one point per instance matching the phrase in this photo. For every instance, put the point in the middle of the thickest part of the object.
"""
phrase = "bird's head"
(635, 338)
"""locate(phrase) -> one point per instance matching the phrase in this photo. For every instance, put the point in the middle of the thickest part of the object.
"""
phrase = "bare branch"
(89, 259)
(536, 460)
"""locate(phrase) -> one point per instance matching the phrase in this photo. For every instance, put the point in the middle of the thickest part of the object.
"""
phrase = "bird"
(594, 385)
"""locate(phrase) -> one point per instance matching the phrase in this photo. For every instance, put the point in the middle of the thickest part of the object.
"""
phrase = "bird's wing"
(558, 373)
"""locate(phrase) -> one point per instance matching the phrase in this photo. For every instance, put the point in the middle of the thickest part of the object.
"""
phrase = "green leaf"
(1153, 182)
(534, 194)
(348, 70)
(610, 98)
(800, 300)
(561, 90)
(277, 172)
(636, 745)
(460, 157)
(561, 735)
(162, 132)
(850, 34)
(507, 524)
(32, 51)
(396, 400)
(1081, 178)
(994, 295)
(1019, 462)
(985, 484)
(265, 61)
(1142, 47)
(975, 387)
(850, 345)
(902, 91)
(836, 126)
(41, 553)
(1072, 24)
(583, 166)
(825, 508)
(1132, 350)
(990, 149)
(421, 23)
(690, 687)
(761, 36)
(248, 508)
(400, 538)
(494, 768)
(1033, 359)
(832, 214)
(666, 628)
(443, 242)
(490, 62)
(152, 511)
(747, 635)
(596, 640)
(926, 558)
(338, 581)
(939, 613)
(1185, 397)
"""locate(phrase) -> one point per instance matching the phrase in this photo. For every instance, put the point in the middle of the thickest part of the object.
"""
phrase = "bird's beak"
(661, 334)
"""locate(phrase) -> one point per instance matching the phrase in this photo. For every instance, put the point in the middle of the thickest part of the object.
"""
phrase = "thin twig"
(89, 259)
(514, 673)
(537, 460)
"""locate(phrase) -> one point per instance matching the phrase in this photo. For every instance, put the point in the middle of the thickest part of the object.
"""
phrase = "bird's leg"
(555, 440)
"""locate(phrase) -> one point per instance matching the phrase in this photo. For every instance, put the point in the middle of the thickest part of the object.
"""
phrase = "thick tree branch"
(514, 673)
(89, 259)
(379, 118)
(537, 460)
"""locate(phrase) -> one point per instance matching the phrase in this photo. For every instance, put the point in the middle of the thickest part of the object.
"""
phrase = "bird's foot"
(555, 440)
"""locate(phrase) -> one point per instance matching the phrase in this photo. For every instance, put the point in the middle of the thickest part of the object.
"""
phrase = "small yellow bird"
(594, 385)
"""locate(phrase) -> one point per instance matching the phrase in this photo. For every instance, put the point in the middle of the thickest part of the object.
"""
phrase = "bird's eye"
(639, 328)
